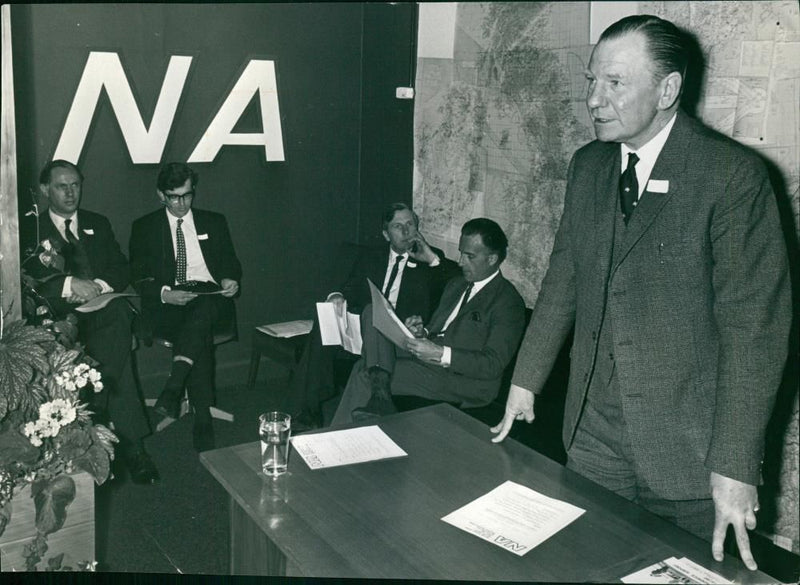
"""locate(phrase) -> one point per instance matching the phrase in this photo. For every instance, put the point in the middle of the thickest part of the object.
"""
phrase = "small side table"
(285, 350)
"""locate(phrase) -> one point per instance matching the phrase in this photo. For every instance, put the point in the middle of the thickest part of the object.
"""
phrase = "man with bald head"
(670, 264)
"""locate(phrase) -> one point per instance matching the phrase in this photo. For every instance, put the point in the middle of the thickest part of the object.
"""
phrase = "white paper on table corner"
(514, 517)
(345, 447)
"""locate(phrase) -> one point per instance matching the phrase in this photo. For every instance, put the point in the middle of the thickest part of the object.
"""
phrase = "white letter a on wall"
(258, 76)
(105, 70)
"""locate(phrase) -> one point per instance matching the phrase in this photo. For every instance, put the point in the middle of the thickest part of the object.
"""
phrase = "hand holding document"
(385, 320)
(100, 301)
(339, 329)
(345, 447)
(514, 517)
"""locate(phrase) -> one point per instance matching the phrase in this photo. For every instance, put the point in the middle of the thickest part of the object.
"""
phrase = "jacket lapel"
(605, 206)
(167, 248)
(670, 166)
(448, 302)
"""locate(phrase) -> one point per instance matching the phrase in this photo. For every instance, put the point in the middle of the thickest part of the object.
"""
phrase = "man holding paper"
(186, 270)
(74, 257)
(670, 264)
(459, 357)
(411, 275)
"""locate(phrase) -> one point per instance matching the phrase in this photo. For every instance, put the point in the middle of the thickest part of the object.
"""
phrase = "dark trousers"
(106, 335)
(190, 329)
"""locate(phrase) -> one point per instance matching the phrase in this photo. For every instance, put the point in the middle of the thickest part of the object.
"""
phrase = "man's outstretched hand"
(736, 504)
(519, 405)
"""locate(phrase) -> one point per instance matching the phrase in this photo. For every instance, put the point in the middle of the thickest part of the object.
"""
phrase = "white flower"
(98, 387)
(80, 381)
(70, 385)
(36, 441)
(29, 429)
(80, 368)
(47, 245)
(94, 376)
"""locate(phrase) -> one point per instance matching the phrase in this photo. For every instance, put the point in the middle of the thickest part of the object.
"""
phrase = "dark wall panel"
(287, 218)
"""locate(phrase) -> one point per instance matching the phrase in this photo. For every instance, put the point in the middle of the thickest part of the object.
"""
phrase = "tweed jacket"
(420, 287)
(483, 338)
(699, 298)
(107, 261)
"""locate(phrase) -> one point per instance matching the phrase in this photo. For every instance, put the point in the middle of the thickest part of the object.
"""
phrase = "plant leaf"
(51, 499)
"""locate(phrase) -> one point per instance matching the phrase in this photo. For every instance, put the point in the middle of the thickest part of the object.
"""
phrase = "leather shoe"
(203, 436)
(168, 404)
(141, 468)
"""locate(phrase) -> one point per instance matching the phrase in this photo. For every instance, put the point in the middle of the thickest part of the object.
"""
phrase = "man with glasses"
(184, 266)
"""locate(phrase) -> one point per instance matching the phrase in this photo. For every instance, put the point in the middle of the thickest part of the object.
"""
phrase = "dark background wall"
(348, 141)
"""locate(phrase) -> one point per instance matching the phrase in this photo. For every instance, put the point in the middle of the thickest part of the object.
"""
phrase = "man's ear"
(43, 191)
(386, 235)
(161, 197)
(493, 259)
(670, 90)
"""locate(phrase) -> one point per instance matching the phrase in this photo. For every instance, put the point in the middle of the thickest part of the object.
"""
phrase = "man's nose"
(595, 97)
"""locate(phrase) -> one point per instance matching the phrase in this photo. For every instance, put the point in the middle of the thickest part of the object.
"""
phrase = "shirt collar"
(188, 219)
(58, 221)
(393, 255)
(479, 284)
(650, 151)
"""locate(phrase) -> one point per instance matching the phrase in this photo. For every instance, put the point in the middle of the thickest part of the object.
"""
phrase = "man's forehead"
(402, 216)
(620, 54)
(63, 174)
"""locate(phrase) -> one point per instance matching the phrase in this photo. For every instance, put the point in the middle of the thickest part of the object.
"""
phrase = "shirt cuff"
(66, 290)
(163, 288)
(435, 262)
(446, 356)
(104, 286)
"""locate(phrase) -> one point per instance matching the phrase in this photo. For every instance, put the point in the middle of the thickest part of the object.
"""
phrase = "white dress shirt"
(196, 268)
(648, 154)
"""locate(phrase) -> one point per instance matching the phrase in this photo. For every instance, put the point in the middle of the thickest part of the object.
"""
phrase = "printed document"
(514, 517)
(287, 329)
(100, 301)
(385, 320)
(335, 329)
(673, 570)
(336, 448)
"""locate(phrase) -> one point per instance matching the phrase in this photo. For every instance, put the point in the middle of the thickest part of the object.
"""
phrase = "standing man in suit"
(91, 263)
(670, 263)
(460, 356)
(411, 275)
(178, 255)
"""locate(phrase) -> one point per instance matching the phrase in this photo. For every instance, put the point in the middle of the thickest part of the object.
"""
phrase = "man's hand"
(177, 297)
(519, 405)
(734, 503)
(421, 251)
(415, 325)
(229, 287)
(425, 350)
(83, 290)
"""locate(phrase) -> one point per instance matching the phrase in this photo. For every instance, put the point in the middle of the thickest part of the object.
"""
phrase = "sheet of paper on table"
(385, 320)
(345, 447)
(335, 329)
(287, 328)
(514, 517)
(673, 570)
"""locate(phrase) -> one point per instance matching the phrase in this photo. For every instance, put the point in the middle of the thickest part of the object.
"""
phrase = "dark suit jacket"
(420, 287)
(699, 301)
(107, 260)
(483, 338)
(153, 260)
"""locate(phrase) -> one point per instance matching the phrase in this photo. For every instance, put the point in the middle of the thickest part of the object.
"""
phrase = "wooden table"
(383, 519)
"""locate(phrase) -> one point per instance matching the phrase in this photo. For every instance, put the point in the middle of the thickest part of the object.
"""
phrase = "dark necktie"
(465, 298)
(180, 260)
(79, 259)
(629, 188)
(393, 275)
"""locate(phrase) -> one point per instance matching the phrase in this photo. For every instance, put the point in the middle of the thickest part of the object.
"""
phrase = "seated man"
(471, 337)
(177, 254)
(411, 275)
(85, 262)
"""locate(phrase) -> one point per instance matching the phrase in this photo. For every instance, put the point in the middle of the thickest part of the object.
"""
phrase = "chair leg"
(255, 358)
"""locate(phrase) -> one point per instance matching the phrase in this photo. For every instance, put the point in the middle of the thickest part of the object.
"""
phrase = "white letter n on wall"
(105, 70)
(258, 76)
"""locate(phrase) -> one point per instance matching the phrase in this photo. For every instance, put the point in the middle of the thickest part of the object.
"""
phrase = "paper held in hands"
(100, 301)
(514, 517)
(287, 328)
(335, 329)
(345, 447)
(385, 320)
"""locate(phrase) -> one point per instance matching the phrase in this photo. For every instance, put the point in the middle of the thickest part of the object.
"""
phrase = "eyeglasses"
(174, 198)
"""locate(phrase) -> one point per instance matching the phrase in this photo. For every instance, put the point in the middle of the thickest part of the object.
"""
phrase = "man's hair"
(491, 234)
(47, 171)
(666, 43)
(174, 175)
(388, 215)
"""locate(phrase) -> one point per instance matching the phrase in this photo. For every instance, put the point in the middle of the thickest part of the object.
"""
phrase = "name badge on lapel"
(657, 186)
(88, 231)
(202, 236)
(411, 264)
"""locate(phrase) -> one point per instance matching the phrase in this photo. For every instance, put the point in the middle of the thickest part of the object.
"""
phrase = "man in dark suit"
(670, 263)
(185, 268)
(83, 260)
(460, 356)
(411, 275)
